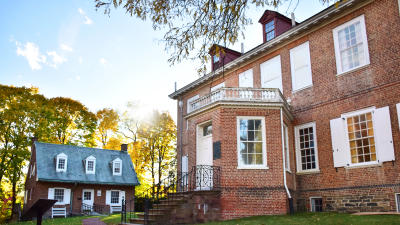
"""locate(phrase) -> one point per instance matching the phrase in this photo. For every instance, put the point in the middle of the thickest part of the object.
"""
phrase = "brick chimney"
(274, 24)
(124, 147)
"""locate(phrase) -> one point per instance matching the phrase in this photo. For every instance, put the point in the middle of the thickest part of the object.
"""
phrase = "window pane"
(59, 195)
(114, 197)
(251, 141)
(307, 151)
(362, 143)
(61, 164)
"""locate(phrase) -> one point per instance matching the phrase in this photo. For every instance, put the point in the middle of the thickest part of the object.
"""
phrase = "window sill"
(302, 89)
(252, 167)
(352, 70)
(366, 165)
(288, 171)
(308, 172)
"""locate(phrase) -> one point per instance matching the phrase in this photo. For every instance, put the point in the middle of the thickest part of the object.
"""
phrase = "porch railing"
(266, 95)
(200, 178)
(89, 209)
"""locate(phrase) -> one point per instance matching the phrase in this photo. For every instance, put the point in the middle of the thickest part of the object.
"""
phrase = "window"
(207, 130)
(117, 167)
(98, 193)
(398, 113)
(286, 146)
(189, 106)
(351, 45)
(61, 165)
(271, 75)
(269, 30)
(359, 139)
(246, 78)
(251, 143)
(306, 148)
(59, 195)
(90, 165)
(316, 204)
(215, 58)
(87, 195)
(114, 197)
(300, 64)
(397, 197)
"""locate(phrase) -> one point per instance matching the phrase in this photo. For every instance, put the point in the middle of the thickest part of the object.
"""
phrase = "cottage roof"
(46, 165)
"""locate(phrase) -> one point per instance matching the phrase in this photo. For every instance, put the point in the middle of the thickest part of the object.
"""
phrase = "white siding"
(301, 66)
(383, 134)
(340, 146)
(271, 73)
(246, 78)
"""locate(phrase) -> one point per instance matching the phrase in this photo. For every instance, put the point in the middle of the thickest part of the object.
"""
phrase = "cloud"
(103, 61)
(80, 60)
(32, 53)
(56, 59)
(78, 77)
(66, 48)
(87, 21)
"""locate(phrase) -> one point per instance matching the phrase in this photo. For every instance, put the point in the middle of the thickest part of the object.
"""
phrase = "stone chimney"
(124, 148)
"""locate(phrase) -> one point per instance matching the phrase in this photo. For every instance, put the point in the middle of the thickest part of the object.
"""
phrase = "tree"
(196, 24)
(107, 124)
(72, 122)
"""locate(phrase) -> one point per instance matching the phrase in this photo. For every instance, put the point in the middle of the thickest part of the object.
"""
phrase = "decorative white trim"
(264, 143)
(298, 154)
(62, 156)
(335, 32)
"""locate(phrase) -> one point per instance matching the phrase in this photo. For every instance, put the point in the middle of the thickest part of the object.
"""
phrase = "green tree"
(194, 24)
(72, 122)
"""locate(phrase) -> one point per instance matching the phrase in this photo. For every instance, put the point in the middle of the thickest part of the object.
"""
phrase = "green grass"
(313, 218)
(75, 220)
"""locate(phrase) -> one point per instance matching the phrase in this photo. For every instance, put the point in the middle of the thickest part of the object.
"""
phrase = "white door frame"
(92, 197)
(204, 182)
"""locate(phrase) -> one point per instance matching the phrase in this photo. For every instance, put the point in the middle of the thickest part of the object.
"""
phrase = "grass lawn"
(313, 218)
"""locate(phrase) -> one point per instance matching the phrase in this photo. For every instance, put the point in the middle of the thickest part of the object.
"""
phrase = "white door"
(88, 197)
(204, 157)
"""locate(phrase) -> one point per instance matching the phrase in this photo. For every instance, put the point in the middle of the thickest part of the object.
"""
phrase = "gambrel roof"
(46, 155)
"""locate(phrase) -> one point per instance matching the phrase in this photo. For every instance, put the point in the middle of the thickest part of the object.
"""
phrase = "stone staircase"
(165, 212)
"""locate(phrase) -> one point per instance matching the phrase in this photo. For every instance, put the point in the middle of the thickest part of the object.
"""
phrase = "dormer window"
(61, 164)
(117, 167)
(90, 165)
(270, 30)
(216, 59)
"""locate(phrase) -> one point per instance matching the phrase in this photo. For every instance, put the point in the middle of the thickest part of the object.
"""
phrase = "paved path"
(93, 221)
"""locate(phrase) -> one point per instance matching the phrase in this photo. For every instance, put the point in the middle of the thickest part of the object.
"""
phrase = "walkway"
(93, 221)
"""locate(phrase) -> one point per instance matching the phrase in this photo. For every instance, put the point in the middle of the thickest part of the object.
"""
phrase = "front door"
(87, 199)
(204, 157)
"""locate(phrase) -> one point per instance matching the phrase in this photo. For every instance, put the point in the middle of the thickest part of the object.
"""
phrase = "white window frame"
(115, 161)
(54, 197)
(355, 113)
(398, 110)
(119, 197)
(335, 31)
(315, 197)
(90, 159)
(264, 143)
(292, 68)
(248, 74)
(298, 153)
(287, 147)
(62, 156)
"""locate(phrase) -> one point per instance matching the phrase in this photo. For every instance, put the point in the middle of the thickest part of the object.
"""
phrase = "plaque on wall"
(217, 150)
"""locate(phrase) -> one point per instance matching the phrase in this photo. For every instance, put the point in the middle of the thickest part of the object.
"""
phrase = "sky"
(67, 48)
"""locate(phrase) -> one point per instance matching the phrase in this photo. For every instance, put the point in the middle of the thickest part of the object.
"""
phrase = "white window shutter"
(108, 197)
(301, 66)
(121, 196)
(340, 143)
(185, 164)
(383, 134)
(246, 78)
(271, 74)
(398, 110)
(51, 193)
(67, 196)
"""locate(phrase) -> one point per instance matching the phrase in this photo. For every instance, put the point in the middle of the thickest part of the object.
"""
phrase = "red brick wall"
(376, 84)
